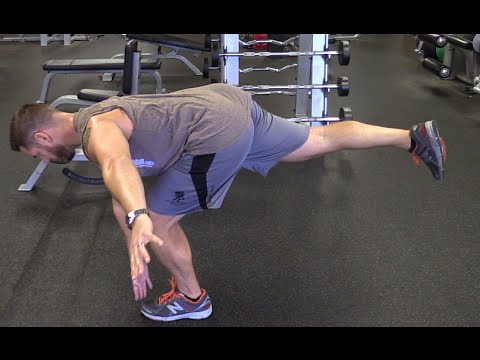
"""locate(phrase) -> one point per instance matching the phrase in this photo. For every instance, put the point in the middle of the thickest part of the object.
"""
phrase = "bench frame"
(108, 76)
(51, 73)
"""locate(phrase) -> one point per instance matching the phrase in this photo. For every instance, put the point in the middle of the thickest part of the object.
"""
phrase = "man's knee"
(309, 149)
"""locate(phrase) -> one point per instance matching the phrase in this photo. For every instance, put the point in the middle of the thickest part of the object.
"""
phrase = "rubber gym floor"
(352, 239)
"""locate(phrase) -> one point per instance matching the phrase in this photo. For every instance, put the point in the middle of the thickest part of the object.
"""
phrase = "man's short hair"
(28, 119)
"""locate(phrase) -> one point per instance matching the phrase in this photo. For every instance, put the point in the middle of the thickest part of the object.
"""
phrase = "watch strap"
(132, 215)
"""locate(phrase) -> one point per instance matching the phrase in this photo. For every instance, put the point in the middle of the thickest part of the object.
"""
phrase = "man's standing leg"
(186, 299)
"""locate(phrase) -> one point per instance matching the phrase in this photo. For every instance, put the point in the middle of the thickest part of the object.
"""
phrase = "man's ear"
(42, 138)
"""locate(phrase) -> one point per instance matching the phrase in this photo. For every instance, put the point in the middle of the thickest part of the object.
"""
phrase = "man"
(195, 141)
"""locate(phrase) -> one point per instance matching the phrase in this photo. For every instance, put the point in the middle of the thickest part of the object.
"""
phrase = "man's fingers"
(139, 266)
(136, 263)
(155, 239)
(144, 255)
(133, 269)
(149, 282)
(135, 290)
(141, 290)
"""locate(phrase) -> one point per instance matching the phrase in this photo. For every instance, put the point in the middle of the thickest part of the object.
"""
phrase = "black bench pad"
(163, 39)
(97, 95)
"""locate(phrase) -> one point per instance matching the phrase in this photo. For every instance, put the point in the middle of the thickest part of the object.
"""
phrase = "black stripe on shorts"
(198, 172)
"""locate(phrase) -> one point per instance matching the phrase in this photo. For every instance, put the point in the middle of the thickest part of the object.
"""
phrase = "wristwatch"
(132, 215)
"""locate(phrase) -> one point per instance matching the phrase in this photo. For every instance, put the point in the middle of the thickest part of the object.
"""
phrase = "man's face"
(56, 154)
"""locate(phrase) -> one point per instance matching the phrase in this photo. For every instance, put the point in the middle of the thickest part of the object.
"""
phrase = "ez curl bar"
(343, 53)
(342, 86)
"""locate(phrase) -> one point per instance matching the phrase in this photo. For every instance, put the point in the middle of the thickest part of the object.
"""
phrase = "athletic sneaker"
(429, 147)
(175, 306)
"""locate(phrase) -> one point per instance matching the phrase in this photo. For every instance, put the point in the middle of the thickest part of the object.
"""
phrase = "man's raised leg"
(422, 140)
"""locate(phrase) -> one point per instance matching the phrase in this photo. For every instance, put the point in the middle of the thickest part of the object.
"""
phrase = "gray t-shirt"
(195, 121)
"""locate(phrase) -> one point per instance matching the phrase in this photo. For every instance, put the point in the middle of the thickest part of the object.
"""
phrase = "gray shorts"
(201, 182)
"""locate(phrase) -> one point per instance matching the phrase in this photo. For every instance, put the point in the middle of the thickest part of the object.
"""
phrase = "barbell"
(342, 86)
(343, 53)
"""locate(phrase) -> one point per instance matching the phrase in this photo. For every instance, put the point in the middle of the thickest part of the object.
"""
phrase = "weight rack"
(312, 86)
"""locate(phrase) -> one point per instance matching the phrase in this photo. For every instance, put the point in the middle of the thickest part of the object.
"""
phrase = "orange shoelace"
(172, 294)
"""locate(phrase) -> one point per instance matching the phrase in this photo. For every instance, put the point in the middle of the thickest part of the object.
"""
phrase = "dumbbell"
(345, 113)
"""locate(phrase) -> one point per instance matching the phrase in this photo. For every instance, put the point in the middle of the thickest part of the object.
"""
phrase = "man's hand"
(142, 234)
(140, 284)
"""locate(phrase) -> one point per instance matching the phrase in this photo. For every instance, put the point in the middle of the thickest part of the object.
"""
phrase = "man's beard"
(64, 154)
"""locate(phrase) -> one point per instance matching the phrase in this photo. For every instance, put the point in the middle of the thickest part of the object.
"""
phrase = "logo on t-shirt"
(141, 163)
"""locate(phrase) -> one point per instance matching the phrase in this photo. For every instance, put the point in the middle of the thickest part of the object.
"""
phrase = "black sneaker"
(429, 147)
(175, 306)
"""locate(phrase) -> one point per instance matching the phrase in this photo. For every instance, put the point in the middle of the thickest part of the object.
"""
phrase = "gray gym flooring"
(357, 238)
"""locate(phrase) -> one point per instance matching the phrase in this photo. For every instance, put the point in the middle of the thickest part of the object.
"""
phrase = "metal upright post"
(67, 39)
(303, 75)
(137, 58)
(229, 65)
(319, 77)
(44, 39)
(448, 55)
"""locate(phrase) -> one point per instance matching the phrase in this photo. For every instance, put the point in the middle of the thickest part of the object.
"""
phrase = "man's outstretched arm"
(105, 144)
(141, 284)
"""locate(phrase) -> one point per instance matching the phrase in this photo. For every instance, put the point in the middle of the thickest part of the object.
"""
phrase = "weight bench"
(173, 42)
(86, 97)
(83, 66)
